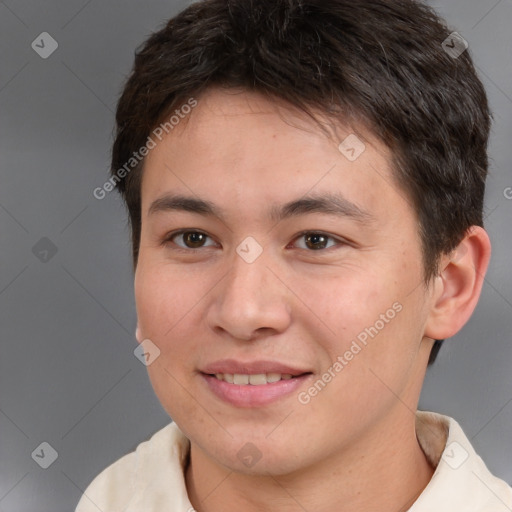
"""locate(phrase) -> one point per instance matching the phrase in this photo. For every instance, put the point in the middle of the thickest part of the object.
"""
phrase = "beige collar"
(432, 433)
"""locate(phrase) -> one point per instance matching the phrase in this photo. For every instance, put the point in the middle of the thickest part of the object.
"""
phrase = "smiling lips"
(252, 384)
(255, 379)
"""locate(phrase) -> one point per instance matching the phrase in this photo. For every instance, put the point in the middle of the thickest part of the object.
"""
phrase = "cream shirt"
(151, 479)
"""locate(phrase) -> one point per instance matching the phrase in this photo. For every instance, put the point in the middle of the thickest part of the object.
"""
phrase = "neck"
(383, 470)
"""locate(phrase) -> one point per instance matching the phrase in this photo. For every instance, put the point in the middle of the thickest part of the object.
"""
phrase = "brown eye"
(189, 239)
(193, 239)
(317, 241)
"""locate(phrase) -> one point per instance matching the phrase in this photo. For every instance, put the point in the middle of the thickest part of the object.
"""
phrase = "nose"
(251, 301)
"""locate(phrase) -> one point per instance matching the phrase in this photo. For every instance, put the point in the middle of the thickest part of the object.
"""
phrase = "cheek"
(165, 308)
(347, 303)
(166, 315)
(371, 317)
(164, 299)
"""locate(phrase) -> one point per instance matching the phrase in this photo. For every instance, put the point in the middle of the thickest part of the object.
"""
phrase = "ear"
(457, 287)
(138, 334)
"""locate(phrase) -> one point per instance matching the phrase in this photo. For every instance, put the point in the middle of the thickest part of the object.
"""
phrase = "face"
(284, 288)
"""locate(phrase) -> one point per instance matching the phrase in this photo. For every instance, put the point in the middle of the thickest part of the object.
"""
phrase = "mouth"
(252, 385)
(255, 379)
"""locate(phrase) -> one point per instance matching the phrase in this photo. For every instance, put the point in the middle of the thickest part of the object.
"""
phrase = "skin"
(353, 446)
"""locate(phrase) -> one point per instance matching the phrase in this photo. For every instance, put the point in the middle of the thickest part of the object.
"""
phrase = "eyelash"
(169, 239)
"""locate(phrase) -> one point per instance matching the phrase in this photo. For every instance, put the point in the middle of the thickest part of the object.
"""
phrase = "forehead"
(241, 148)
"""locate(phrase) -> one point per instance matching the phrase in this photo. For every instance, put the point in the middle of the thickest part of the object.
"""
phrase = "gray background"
(68, 375)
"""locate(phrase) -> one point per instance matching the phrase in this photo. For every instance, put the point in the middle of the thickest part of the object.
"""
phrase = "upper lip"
(251, 367)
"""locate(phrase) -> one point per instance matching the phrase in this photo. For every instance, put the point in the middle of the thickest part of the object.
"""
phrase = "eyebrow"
(327, 203)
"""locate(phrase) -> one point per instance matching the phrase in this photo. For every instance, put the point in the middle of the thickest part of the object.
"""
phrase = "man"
(305, 186)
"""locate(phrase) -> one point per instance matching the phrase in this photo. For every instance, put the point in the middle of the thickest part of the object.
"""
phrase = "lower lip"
(253, 396)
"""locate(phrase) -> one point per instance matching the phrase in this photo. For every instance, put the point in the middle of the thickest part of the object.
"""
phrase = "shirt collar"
(461, 480)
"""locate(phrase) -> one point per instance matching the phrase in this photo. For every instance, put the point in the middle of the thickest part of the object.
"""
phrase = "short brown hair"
(381, 63)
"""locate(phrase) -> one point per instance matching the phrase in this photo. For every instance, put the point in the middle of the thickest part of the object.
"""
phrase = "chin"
(255, 455)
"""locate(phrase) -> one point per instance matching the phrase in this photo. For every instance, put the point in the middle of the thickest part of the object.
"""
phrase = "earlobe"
(138, 335)
(458, 286)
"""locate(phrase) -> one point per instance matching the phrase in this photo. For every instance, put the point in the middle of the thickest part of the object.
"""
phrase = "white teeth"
(257, 379)
(273, 377)
(240, 378)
